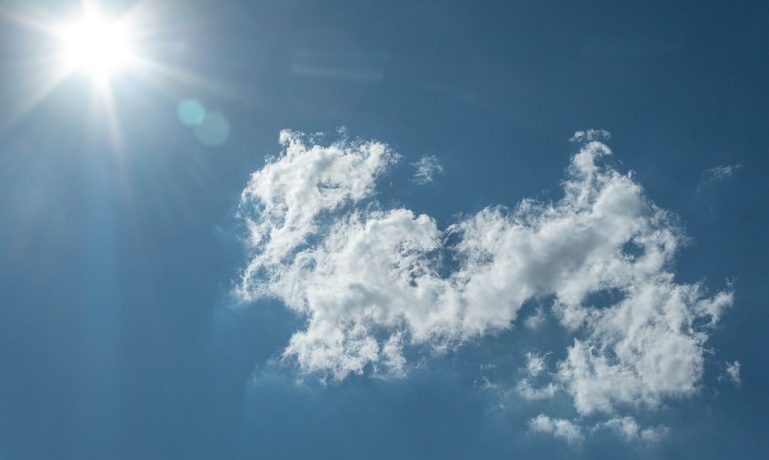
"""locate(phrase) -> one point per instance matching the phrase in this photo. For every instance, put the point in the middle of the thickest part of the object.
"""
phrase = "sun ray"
(34, 19)
(184, 76)
(29, 103)
(112, 116)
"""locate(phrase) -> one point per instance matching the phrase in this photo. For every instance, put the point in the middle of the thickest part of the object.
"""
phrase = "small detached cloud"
(720, 173)
(559, 428)
(628, 429)
(590, 135)
(535, 364)
(733, 371)
(426, 169)
(536, 320)
(536, 367)
(529, 392)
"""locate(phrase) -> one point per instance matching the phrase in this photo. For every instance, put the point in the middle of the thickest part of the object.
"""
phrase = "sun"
(97, 46)
(119, 49)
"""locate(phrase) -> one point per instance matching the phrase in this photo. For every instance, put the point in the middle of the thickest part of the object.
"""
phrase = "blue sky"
(387, 230)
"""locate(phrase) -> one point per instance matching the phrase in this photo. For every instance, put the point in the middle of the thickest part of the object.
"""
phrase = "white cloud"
(733, 370)
(628, 429)
(590, 135)
(284, 200)
(530, 393)
(559, 428)
(536, 320)
(654, 434)
(535, 364)
(372, 282)
(535, 367)
(426, 169)
(720, 173)
(642, 350)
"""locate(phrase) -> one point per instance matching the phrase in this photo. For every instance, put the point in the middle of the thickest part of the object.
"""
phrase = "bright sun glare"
(97, 46)
(101, 45)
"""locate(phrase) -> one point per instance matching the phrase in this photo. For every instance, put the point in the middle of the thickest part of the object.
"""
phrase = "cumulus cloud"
(373, 282)
(285, 200)
(426, 169)
(560, 428)
(642, 350)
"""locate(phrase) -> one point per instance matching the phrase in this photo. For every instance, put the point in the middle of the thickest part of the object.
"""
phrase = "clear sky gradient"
(127, 331)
